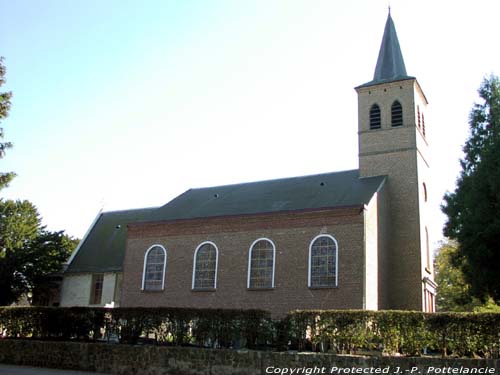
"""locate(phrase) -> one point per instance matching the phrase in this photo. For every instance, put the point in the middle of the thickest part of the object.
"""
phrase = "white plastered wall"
(76, 289)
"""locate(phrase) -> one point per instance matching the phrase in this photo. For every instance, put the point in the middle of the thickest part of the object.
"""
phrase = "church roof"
(327, 190)
(390, 63)
(103, 247)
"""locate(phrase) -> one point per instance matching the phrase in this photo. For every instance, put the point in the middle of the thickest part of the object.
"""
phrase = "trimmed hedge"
(345, 331)
(392, 332)
(216, 328)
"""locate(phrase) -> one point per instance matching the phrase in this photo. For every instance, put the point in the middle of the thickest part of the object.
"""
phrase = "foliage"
(453, 293)
(19, 225)
(28, 252)
(402, 332)
(5, 97)
(472, 209)
(218, 328)
(45, 255)
(343, 331)
(348, 331)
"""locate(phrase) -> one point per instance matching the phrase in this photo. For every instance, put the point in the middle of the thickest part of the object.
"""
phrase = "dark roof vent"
(118, 226)
(322, 183)
(216, 195)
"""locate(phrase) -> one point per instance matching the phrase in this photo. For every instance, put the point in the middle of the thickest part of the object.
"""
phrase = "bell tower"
(392, 142)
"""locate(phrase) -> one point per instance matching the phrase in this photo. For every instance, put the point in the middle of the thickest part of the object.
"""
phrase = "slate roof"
(327, 190)
(103, 247)
(390, 63)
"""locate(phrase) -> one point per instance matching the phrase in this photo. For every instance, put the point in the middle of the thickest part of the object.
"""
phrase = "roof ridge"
(130, 210)
(274, 179)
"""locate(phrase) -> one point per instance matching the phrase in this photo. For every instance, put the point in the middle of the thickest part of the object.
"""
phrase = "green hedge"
(392, 332)
(345, 331)
(174, 326)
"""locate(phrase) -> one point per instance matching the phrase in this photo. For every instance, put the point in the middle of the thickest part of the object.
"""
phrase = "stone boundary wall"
(155, 360)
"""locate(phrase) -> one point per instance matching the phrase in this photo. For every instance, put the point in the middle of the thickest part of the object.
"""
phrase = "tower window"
(423, 125)
(375, 120)
(396, 114)
(427, 251)
(418, 117)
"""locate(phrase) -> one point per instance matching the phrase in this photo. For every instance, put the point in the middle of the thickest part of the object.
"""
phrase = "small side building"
(95, 270)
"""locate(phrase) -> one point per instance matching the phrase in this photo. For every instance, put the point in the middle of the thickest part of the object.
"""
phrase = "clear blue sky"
(126, 104)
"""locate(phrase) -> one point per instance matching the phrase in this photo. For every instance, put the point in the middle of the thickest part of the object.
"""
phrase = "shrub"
(345, 331)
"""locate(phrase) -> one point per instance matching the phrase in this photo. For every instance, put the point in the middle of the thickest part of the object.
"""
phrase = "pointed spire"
(390, 63)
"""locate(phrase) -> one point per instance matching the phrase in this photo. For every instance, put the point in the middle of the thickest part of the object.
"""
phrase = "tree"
(28, 252)
(45, 256)
(454, 293)
(19, 225)
(472, 209)
(5, 97)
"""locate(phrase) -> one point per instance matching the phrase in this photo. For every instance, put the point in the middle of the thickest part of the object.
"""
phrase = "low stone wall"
(155, 360)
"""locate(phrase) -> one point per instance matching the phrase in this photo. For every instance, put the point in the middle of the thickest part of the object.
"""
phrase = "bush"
(172, 326)
(346, 331)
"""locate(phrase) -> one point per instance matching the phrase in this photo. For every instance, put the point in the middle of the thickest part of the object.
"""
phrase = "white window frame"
(309, 276)
(216, 264)
(250, 261)
(164, 266)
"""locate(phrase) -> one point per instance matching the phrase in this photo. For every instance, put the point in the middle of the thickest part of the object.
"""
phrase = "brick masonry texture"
(291, 234)
(401, 154)
(155, 360)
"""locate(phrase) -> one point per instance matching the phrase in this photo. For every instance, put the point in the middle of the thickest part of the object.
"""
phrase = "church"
(356, 239)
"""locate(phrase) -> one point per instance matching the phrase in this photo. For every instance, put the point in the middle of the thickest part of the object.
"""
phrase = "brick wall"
(401, 154)
(291, 234)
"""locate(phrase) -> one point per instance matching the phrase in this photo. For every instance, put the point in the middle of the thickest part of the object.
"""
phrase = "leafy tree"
(454, 293)
(46, 254)
(28, 253)
(472, 209)
(19, 225)
(5, 178)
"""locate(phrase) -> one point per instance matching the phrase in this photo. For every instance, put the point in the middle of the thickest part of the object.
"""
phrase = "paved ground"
(25, 370)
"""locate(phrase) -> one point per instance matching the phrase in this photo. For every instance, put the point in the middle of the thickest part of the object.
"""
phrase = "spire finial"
(389, 6)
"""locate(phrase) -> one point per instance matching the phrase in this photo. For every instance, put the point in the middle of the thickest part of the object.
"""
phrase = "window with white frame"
(205, 266)
(323, 258)
(261, 264)
(155, 262)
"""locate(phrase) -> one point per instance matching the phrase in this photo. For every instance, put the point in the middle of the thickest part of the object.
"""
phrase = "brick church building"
(353, 239)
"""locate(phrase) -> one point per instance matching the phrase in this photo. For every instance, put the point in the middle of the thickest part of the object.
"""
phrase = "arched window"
(261, 264)
(396, 114)
(205, 266)
(155, 262)
(323, 257)
(423, 125)
(427, 250)
(375, 119)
